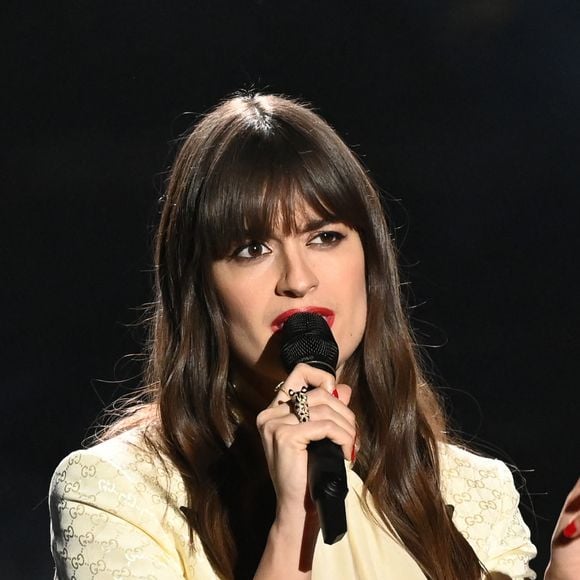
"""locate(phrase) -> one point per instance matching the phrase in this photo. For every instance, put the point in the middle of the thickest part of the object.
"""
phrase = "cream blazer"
(115, 515)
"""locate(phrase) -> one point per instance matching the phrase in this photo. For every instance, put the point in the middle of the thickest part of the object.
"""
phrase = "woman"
(267, 212)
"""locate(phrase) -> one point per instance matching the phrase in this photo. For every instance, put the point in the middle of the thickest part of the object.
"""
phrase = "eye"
(251, 251)
(326, 238)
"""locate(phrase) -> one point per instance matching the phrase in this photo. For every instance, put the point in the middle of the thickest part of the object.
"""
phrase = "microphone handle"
(328, 488)
(327, 480)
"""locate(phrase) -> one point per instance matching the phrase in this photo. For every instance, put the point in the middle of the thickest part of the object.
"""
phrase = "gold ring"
(279, 387)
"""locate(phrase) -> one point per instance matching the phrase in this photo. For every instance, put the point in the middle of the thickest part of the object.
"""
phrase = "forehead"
(300, 218)
(286, 213)
(264, 209)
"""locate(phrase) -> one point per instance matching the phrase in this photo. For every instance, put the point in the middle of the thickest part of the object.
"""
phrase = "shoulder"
(115, 509)
(479, 488)
(116, 505)
(485, 504)
(117, 473)
(460, 467)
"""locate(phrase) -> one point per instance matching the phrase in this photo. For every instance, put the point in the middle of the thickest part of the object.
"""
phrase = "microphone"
(306, 338)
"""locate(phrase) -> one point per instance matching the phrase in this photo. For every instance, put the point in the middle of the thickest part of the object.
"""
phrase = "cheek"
(360, 299)
(358, 287)
(237, 313)
(232, 305)
(354, 299)
(359, 315)
(242, 313)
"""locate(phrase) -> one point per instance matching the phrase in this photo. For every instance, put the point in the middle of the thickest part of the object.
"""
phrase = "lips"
(326, 313)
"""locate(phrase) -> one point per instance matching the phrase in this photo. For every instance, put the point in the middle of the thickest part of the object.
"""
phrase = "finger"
(280, 395)
(315, 397)
(304, 374)
(321, 397)
(327, 413)
(572, 530)
(344, 393)
(299, 436)
(269, 428)
(282, 410)
(280, 430)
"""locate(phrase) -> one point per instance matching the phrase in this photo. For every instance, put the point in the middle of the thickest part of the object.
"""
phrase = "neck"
(253, 392)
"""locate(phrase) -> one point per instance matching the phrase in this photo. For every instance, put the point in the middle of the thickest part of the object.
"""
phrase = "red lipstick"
(326, 313)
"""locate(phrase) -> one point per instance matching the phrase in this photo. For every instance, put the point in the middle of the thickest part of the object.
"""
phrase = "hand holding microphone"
(295, 450)
(306, 338)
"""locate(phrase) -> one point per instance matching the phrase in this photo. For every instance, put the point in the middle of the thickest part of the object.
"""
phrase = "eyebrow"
(309, 226)
(315, 224)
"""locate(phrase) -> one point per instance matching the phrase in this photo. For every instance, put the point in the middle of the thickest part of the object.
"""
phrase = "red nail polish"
(353, 454)
(335, 394)
(570, 530)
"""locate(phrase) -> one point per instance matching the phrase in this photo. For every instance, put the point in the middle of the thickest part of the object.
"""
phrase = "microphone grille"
(306, 338)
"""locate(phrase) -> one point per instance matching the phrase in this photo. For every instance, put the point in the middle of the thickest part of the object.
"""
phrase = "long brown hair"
(250, 160)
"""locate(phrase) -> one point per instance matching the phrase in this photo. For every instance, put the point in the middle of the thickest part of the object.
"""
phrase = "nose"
(296, 278)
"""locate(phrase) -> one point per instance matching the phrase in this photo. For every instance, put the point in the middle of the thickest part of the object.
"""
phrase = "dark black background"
(467, 113)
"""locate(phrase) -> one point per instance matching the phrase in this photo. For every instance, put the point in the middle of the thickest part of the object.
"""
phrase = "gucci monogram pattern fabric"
(115, 514)
(486, 511)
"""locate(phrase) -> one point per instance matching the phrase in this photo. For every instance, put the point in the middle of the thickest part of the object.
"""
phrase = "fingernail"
(335, 393)
(570, 530)
(353, 454)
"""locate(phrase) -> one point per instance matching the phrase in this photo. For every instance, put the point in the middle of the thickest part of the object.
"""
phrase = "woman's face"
(320, 268)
